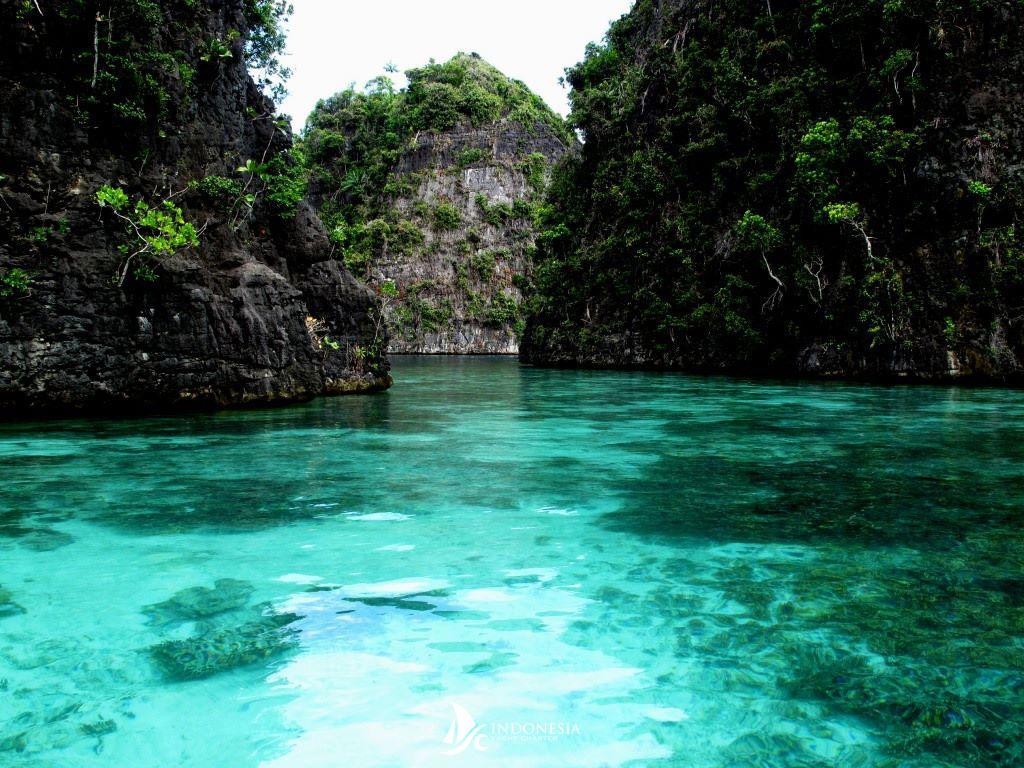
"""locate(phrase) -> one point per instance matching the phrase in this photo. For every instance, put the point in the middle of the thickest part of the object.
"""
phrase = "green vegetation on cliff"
(419, 185)
(127, 65)
(820, 187)
(354, 139)
(145, 179)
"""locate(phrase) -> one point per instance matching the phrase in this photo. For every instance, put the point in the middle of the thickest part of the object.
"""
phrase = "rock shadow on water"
(417, 601)
(8, 607)
(903, 617)
(707, 497)
(47, 704)
(16, 527)
(212, 503)
(918, 709)
(370, 610)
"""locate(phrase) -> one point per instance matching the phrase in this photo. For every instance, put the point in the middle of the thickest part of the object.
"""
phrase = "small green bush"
(15, 282)
(446, 217)
(219, 192)
(483, 264)
(472, 156)
(502, 311)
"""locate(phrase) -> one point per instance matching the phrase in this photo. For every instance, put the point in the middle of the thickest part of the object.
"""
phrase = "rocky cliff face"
(432, 194)
(154, 101)
(471, 193)
(796, 188)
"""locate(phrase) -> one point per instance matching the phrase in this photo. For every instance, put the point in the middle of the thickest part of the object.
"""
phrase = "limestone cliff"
(829, 189)
(214, 285)
(434, 203)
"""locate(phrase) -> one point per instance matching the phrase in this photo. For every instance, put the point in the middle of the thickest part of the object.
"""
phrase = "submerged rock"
(7, 605)
(198, 603)
(223, 650)
(45, 539)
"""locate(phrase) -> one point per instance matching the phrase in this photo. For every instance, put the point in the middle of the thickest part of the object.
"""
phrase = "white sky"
(334, 43)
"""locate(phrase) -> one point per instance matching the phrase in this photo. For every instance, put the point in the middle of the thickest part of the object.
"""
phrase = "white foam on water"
(396, 587)
(379, 517)
(666, 714)
(559, 512)
(298, 578)
(482, 598)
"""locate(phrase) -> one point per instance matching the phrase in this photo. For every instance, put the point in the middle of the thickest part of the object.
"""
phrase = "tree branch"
(776, 297)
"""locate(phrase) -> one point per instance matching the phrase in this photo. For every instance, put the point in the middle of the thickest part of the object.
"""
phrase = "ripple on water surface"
(518, 567)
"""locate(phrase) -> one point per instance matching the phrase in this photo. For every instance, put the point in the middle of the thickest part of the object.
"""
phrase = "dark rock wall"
(224, 323)
(697, 114)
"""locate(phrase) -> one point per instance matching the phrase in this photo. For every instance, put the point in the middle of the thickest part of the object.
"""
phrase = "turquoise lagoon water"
(497, 566)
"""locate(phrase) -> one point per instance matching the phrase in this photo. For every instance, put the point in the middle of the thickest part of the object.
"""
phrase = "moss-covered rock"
(224, 649)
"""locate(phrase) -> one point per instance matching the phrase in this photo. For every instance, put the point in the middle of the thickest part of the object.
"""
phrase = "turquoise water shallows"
(497, 566)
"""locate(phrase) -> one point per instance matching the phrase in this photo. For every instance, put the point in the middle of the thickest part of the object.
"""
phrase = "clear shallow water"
(588, 569)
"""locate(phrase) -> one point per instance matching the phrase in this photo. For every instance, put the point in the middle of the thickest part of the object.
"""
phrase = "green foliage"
(164, 228)
(132, 64)
(15, 282)
(821, 152)
(427, 315)
(979, 189)
(502, 311)
(740, 130)
(483, 264)
(219, 192)
(755, 233)
(44, 233)
(472, 156)
(156, 231)
(407, 237)
(354, 140)
(839, 212)
(521, 209)
(446, 217)
(219, 48)
(375, 239)
(265, 43)
(495, 214)
(467, 88)
(535, 167)
(356, 261)
(285, 182)
(115, 197)
(39, 234)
